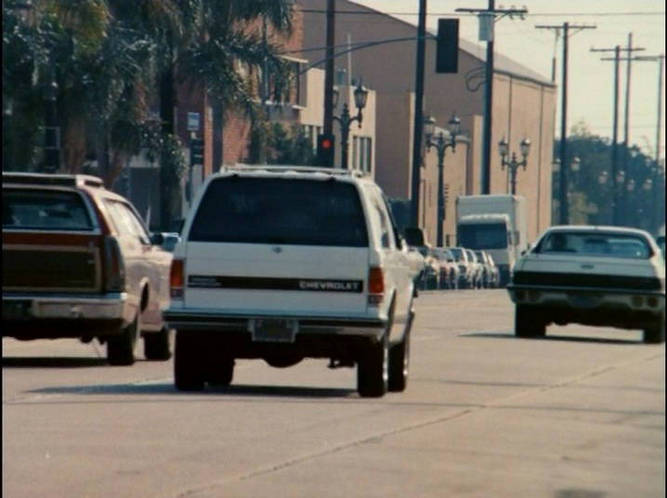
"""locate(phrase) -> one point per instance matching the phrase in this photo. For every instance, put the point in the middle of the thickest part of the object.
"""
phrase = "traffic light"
(325, 150)
(196, 151)
(447, 47)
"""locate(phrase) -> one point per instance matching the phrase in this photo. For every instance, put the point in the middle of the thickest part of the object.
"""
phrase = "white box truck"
(496, 224)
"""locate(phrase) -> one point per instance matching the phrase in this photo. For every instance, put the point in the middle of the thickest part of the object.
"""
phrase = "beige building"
(523, 107)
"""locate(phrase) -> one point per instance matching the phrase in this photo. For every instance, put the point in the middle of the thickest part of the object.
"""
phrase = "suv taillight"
(114, 266)
(176, 278)
(375, 286)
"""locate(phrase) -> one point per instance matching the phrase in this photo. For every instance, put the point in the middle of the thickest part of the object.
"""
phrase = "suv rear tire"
(528, 322)
(373, 369)
(188, 368)
(220, 371)
(399, 364)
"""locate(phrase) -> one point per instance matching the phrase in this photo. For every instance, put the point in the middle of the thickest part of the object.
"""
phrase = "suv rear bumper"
(36, 316)
(189, 320)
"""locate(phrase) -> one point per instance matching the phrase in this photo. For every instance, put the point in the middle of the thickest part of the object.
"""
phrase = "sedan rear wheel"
(655, 333)
(121, 348)
(528, 322)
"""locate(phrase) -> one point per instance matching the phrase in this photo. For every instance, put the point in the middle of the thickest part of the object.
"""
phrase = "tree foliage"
(640, 196)
(108, 58)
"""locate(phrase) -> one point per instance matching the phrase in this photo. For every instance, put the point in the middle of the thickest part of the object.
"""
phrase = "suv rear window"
(45, 210)
(280, 211)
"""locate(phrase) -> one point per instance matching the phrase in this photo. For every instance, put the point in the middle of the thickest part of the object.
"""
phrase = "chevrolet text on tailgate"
(282, 263)
(78, 262)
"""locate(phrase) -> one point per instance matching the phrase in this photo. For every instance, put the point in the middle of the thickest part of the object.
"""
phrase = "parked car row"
(457, 268)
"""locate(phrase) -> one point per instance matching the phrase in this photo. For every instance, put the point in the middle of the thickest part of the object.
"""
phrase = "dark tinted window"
(280, 211)
(483, 235)
(45, 210)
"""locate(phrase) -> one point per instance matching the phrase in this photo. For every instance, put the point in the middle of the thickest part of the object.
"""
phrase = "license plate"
(270, 330)
(13, 310)
(584, 300)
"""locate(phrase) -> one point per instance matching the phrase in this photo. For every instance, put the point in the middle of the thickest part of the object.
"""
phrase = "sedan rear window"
(44, 210)
(614, 245)
(280, 211)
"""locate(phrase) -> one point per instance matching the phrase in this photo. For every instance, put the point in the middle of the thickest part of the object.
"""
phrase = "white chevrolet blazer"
(282, 263)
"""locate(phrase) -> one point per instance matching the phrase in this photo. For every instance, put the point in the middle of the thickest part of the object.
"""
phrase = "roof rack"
(50, 179)
(283, 168)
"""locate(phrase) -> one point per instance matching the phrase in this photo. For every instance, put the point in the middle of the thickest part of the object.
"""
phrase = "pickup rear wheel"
(373, 369)
(120, 348)
(655, 333)
(528, 323)
(156, 345)
(399, 364)
(188, 368)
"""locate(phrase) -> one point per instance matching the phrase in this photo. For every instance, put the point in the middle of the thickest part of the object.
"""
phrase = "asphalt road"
(579, 414)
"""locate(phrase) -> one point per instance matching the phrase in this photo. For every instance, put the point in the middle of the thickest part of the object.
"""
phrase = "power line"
(469, 14)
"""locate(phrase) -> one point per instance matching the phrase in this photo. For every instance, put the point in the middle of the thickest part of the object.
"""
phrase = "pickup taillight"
(176, 278)
(114, 266)
(375, 286)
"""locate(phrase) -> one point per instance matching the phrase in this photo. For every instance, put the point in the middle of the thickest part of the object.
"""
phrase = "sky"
(590, 80)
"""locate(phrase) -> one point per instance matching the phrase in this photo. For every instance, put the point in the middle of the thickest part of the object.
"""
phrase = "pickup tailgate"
(273, 279)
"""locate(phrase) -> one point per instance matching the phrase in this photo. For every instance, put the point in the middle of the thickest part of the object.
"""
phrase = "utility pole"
(629, 49)
(660, 59)
(419, 116)
(563, 181)
(614, 145)
(618, 192)
(329, 70)
(488, 114)
(490, 15)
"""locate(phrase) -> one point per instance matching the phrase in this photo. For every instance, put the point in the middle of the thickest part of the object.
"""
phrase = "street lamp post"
(345, 120)
(441, 145)
(513, 164)
(51, 128)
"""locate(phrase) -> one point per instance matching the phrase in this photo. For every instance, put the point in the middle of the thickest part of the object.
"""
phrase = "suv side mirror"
(415, 236)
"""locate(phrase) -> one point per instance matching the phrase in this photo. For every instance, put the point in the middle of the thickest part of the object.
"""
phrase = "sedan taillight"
(176, 278)
(114, 266)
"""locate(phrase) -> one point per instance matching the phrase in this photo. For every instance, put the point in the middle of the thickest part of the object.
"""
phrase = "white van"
(282, 263)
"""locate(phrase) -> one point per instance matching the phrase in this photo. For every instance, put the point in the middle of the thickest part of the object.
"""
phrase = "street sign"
(193, 121)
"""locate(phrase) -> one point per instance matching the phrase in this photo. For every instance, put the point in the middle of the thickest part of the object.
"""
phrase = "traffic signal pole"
(327, 160)
(419, 116)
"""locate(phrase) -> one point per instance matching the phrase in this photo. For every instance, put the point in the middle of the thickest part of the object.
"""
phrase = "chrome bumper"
(226, 322)
(114, 306)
